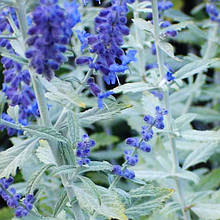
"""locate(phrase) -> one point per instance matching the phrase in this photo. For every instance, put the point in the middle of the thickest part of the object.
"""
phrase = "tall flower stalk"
(172, 142)
(44, 115)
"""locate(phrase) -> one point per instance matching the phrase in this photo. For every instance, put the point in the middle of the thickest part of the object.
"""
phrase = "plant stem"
(160, 63)
(88, 74)
(42, 105)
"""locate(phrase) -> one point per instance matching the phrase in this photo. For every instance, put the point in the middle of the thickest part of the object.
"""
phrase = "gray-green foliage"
(171, 181)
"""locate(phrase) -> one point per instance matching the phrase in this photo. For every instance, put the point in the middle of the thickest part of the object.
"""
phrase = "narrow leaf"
(35, 178)
(200, 155)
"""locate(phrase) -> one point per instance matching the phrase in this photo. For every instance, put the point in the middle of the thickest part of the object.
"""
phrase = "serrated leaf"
(45, 133)
(96, 166)
(200, 155)
(65, 169)
(62, 92)
(203, 136)
(194, 67)
(146, 206)
(184, 120)
(15, 156)
(207, 211)
(149, 190)
(60, 204)
(95, 114)
(109, 204)
(35, 178)
(44, 153)
(133, 87)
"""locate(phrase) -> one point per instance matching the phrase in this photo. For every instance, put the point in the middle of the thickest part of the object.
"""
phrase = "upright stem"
(160, 63)
(45, 120)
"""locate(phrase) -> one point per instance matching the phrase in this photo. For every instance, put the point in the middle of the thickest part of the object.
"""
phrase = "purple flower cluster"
(213, 12)
(110, 27)
(147, 134)
(83, 149)
(16, 84)
(13, 199)
(83, 37)
(126, 173)
(95, 90)
(50, 34)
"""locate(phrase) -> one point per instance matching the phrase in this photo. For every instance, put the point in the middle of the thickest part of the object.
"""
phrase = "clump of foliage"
(106, 120)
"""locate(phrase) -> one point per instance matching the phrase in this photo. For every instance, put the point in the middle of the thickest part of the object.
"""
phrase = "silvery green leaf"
(108, 203)
(143, 25)
(202, 136)
(73, 127)
(95, 114)
(44, 153)
(199, 155)
(12, 56)
(184, 120)
(13, 112)
(194, 67)
(207, 211)
(35, 178)
(188, 175)
(146, 206)
(177, 15)
(209, 181)
(65, 169)
(45, 133)
(96, 166)
(149, 190)
(205, 114)
(63, 199)
(15, 156)
(168, 49)
(133, 87)
(62, 92)
(150, 175)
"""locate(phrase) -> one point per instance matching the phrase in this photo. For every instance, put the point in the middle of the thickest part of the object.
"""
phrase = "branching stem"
(160, 63)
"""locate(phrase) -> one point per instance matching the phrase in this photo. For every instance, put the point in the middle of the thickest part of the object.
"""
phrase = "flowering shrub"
(104, 116)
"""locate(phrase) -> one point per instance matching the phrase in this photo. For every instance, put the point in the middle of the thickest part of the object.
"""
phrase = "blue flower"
(13, 198)
(83, 149)
(130, 56)
(49, 36)
(131, 160)
(110, 27)
(103, 96)
(169, 76)
(83, 37)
